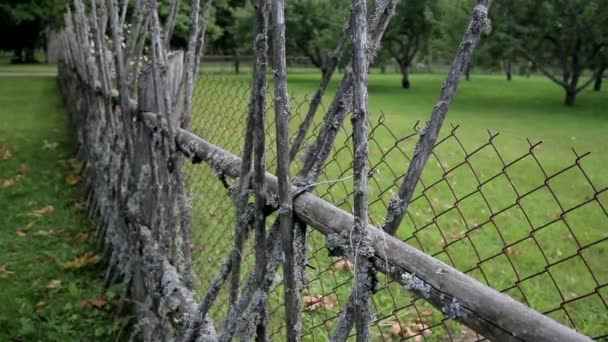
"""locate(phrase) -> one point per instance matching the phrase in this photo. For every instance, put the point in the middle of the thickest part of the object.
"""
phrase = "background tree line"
(565, 40)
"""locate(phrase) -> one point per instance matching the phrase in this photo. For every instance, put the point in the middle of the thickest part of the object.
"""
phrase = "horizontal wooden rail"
(490, 313)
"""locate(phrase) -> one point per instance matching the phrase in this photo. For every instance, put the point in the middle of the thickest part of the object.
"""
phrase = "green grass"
(524, 108)
(43, 225)
(7, 67)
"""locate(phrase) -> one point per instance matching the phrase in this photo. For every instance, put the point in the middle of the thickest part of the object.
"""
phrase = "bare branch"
(200, 47)
(363, 283)
(159, 64)
(189, 76)
(334, 118)
(137, 21)
(123, 12)
(597, 73)
(428, 136)
(122, 81)
(293, 306)
(170, 24)
(336, 56)
(541, 66)
(258, 108)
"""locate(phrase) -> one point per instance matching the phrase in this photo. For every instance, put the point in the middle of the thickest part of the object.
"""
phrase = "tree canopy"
(563, 38)
(409, 33)
(566, 40)
(22, 23)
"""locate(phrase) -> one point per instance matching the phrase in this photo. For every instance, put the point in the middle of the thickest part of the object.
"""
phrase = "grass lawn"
(528, 249)
(50, 277)
(7, 67)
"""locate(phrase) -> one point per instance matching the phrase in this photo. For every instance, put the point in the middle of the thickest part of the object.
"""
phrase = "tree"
(453, 18)
(240, 33)
(22, 23)
(563, 38)
(224, 26)
(601, 65)
(409, 32)
(314, 27)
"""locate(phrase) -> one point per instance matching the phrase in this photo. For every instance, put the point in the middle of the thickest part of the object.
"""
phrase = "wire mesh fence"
(536, 233)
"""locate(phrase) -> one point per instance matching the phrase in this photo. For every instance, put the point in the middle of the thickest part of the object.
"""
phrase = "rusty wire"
(473, 209)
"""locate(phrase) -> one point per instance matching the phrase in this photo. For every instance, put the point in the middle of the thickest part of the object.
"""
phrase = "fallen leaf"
(79, 205)
(420, 320)
(74, 163)
(512, 251)
(435, 202)
(40, 305)
(20, 233)
(396, 329)
(428, 312)
(23, 169)
(312, 303)
(72, 179)
(343, 264)
(81, 261)
(409, 330)
(98, 302)
(28, 226)
(454, 234)
(10, 181)
(81, 237)
(49, 145)
(44, 260)
(43, 211)
(53, 284)
(4, 273)
(94, 302)
(60, 232)
(5, 154)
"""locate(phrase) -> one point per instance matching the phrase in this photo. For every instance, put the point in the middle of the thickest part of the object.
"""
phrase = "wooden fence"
(136, 143)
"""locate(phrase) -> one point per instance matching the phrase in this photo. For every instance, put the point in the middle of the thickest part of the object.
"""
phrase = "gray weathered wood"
(428, 136)
(483, 309)
(334, 118)
(315, 102)
(258, 107)
(293, 305)
(189, 64)
(137, 21)
(170, 24)
(359, 236)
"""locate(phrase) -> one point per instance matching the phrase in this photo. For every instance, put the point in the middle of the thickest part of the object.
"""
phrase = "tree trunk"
(405, 77)
(570, 97)
(323, 70)
(237, 62)
(17, 56)
(509, 70)
(383, 69)
(30, 55)
(598, 81)
(467, 72)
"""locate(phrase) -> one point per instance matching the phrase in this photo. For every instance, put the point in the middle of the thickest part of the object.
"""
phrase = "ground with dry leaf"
(50, 275)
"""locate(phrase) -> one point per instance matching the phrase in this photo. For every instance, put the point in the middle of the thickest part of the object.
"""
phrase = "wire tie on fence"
(300, 190)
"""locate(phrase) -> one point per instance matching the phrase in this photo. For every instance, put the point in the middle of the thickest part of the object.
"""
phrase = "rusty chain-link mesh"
(537, 234)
